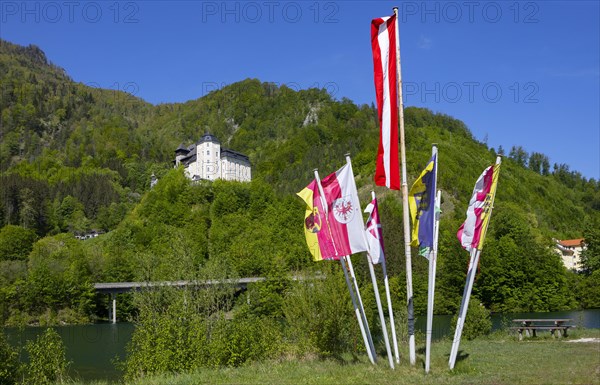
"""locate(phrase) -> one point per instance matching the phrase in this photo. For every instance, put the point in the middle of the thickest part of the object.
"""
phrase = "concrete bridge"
(114, 288)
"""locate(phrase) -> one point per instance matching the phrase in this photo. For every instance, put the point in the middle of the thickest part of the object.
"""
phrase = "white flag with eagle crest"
(344, 215)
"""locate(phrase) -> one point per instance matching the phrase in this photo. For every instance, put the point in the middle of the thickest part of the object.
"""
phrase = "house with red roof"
(570, 252)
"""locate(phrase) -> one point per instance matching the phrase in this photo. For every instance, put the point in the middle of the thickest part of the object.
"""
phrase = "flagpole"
(361, 307)
(431, 290)
(389, 303)
(344, 268)
(357, 312)
(380, 310)
(405, 209)
(464, 306)
(432, 258)
(390, 310)
(379, 307)
(475, 253)
(353, 276)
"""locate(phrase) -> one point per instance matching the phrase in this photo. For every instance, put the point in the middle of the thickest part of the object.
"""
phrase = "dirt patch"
(596, 340)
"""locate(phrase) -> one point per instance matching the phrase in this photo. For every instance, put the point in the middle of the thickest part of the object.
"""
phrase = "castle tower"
(208, 153)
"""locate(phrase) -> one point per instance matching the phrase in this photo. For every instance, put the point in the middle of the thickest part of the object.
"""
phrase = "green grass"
(499, 359)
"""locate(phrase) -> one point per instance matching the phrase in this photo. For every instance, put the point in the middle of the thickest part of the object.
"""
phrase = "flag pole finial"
(395, 9)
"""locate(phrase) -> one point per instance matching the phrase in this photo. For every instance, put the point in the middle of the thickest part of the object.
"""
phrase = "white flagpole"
(464, 306)
(389, 303)
(431, 291)
(405, 209)
(359, 314)
(390, 310)
(380, 310)
(474, 262)
(361, 307)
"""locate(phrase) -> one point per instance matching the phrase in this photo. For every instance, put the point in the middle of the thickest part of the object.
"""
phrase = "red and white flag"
(471, 233)
(386, 50)
(343, 212)
(374, 233)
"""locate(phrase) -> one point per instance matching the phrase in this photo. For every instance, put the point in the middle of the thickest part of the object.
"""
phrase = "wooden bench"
(530, 326)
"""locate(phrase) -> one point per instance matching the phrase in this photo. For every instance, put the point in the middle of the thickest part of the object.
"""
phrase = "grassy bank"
(499, 359)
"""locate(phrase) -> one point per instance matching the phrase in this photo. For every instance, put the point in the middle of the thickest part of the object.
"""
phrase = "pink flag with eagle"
(343, 212)
(374, 233)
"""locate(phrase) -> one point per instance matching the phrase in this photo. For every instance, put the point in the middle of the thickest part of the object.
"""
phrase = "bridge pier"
(112, 308)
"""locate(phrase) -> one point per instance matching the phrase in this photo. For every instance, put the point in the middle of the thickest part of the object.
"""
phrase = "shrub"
(9, 363)
(177, 332)
(319, 316)
(478, 322)
(47, 359)
(241, 340)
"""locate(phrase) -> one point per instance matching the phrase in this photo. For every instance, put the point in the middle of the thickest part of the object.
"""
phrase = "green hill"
(75, 158)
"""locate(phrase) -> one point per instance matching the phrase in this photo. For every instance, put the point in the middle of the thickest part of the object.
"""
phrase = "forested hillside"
(74, 158)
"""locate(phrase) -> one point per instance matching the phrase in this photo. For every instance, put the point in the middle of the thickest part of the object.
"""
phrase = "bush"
(478, 322)
(9, 363)
(319, 316)
(241, 340)
(180, 330)
(47, 360)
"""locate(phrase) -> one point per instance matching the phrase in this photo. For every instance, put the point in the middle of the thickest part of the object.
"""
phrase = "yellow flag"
(312, 221)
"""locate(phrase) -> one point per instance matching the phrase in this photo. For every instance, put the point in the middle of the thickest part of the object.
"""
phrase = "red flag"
(384, 43)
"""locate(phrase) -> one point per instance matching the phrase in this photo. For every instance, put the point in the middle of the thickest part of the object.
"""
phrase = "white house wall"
(232, 169)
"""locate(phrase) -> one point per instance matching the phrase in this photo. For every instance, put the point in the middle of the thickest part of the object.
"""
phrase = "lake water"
(94, 349)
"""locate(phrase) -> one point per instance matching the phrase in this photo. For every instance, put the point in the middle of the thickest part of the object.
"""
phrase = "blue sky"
(516, 72)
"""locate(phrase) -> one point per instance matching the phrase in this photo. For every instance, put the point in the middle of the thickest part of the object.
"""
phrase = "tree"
(590, 256)
(71, 216)
(518, 271)
(15, 242)
(519, 155)
(539, 163)
(27, 210)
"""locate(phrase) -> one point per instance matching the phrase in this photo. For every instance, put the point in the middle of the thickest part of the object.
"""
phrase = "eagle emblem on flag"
(343, 209)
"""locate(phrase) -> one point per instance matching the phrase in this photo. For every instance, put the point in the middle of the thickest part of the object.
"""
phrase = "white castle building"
(206, 160)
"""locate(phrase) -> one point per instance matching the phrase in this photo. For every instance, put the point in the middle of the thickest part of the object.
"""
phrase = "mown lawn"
(499, 359)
